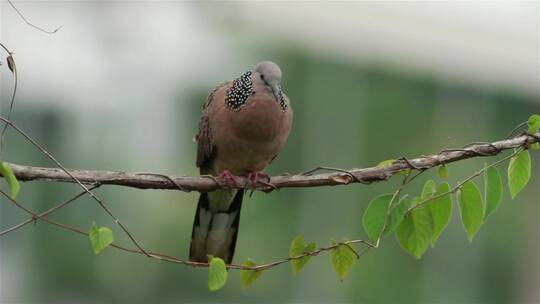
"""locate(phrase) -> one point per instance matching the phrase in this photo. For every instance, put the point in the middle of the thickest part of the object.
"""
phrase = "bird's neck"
(239, 92)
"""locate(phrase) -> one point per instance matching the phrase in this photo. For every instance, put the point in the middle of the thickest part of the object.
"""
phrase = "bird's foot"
(226, 178)
(262, 178)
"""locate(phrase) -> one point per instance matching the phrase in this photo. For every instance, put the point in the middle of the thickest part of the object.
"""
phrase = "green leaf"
(311, 247)
(342, 259)
(415, 201)
(429, 189)
(11, 180)
(519, 172)
(100, 238)
(299, 247)
(534, 121)
(389, 162)
(493, 190)
(471, 208)
(441, 212)
(396, 215)
(405, 172)
(373, 218)
(534, 125)
(217, 274)
(415, 231)
(443, 171)
(249, 276)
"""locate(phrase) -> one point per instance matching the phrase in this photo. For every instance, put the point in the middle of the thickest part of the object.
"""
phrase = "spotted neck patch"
(282, 102)
(240, 91)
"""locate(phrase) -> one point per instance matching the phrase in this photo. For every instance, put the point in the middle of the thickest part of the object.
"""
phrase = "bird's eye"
(262, 76)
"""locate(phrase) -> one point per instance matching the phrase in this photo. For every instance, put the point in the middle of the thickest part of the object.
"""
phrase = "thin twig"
(521, 125)
(13, 68)
(406, 180)
(169, 258)
(6, 49)
(158, 256)
(45, 213)
(312, 253)
(76, 180)
(31, 24)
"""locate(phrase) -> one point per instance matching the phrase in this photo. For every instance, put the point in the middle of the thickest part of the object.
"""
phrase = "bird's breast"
(260, 120)
(255, 134)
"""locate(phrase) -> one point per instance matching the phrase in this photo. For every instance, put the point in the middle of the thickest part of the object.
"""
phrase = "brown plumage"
(244, 125)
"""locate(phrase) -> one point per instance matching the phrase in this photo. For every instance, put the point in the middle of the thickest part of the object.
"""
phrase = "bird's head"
(270, 75)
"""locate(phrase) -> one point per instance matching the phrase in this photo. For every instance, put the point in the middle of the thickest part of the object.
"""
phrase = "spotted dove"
(243, 126)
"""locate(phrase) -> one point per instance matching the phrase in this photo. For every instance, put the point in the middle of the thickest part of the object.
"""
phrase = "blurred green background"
(120, 87)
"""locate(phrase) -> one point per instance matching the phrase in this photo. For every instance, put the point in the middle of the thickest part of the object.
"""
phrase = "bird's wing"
(205, 145)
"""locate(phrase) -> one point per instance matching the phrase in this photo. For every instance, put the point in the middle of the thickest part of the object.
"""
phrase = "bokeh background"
(120, 87)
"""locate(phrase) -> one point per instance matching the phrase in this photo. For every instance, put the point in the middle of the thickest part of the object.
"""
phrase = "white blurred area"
(146, 52)
(481, 43)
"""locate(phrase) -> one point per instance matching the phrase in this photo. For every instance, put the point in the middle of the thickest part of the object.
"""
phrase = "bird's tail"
(215, 229)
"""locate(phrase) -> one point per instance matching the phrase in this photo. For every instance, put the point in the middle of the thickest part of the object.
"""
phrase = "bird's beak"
(275, 89)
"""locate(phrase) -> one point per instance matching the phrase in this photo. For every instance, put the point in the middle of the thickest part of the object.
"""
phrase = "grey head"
(270, 74)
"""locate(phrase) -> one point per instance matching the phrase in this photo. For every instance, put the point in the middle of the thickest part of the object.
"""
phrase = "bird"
(243, 126)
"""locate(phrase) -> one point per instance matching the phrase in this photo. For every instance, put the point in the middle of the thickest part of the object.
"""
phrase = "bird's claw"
(226, 178)
(255, 178)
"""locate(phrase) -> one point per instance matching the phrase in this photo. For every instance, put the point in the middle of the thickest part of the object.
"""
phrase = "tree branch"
(145, 180)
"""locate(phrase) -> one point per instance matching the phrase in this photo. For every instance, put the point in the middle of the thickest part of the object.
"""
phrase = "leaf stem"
(459, 185)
